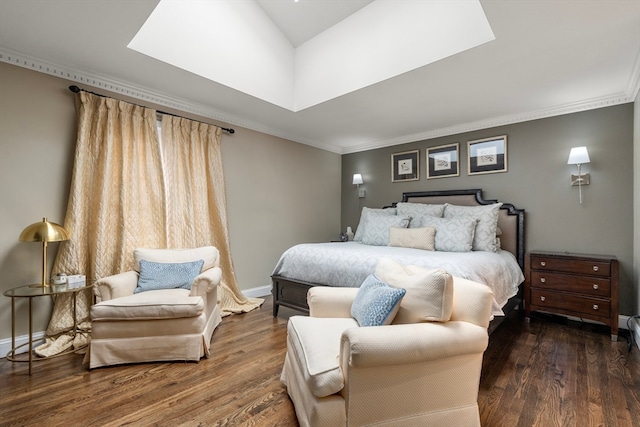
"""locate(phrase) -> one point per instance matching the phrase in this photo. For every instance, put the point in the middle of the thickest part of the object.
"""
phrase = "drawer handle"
(543, 280)
(596, 268)
(595, 286)
(542, 263)
(595, 306)
(542, 298)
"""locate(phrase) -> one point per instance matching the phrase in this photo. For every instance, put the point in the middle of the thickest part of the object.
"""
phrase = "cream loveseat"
(412, 372)
(158, 324)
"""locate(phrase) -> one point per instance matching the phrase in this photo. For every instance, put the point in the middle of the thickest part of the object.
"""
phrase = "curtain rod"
(76, 89)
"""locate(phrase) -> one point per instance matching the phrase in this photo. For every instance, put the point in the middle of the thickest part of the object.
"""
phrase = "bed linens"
(347, 264)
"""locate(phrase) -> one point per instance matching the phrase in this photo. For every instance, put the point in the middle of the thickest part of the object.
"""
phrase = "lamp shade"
(44, 231)
(357, 179)
(578, 156)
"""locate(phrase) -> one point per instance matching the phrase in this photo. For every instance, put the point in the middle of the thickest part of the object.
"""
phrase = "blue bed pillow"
(376, 302)
(162, 275)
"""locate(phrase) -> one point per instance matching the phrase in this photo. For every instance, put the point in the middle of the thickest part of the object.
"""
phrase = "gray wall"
(278, 192)
(537, 180)
(636, 209)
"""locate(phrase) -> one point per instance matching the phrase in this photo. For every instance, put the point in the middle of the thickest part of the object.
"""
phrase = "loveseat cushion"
(160, 304)
(429, 293)
(316, 348)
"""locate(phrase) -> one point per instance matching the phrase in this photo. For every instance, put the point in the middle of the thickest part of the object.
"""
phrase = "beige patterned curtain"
(196, 199)
(115, 204)
(117, 189)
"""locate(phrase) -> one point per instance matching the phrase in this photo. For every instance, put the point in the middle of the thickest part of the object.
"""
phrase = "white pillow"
(366, 212)
(453, 234)
(417, 238)
(429, 293)
(487, 227)
(376, 231)
(419, 210)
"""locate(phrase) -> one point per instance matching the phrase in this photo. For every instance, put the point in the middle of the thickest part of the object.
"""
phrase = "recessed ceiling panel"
(305, 19)
(233, 43)
(383, 40)
(236, 44)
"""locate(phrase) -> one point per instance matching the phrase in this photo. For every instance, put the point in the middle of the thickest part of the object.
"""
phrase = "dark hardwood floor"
(546, 373)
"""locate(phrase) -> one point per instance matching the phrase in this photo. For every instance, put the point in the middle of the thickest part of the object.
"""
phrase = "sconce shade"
(357, 179)
(578, 156)
(44, 231)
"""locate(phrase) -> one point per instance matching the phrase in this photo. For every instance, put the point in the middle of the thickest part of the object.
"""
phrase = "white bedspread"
(347, 264)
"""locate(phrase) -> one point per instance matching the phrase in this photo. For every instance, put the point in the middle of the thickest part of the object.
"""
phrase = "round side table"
(31, 292)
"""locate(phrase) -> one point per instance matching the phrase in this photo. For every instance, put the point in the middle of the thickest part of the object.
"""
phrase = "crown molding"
(592, 104)
(158, 98)
(634, 79)
(144, 94)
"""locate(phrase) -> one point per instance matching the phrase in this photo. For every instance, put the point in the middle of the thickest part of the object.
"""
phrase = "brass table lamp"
(44, 232)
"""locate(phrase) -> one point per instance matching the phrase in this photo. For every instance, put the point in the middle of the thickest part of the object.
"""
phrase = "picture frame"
(488, 155)
(405, 166)
(443, 161)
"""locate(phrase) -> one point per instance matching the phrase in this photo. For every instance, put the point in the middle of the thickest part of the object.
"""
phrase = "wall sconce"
(357, 180)
(579, 156)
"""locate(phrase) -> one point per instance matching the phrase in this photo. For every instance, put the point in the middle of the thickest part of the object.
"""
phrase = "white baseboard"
(260, 291)
(5, 344)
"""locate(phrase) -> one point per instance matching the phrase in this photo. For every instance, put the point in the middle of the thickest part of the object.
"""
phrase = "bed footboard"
(289, 293)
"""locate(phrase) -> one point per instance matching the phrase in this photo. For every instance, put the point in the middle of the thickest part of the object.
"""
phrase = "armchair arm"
(205, 285)
(116, 286)
(411, 343)
(205, 281)
(326, 301)
(472, 302)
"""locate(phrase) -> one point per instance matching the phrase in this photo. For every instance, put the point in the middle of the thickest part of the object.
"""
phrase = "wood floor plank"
(546, 373)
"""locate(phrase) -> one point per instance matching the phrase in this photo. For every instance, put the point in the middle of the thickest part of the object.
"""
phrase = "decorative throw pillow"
(417, 211)
(209, 254)
(376, 231)
(429, 293)
(159, 275)
(363, 216)
(487, 227)
(376, 302)
(417, 238)
(453, 234)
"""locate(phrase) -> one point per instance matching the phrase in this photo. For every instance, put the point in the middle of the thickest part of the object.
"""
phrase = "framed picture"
(404, 166)
(487, 155)
(442, 161)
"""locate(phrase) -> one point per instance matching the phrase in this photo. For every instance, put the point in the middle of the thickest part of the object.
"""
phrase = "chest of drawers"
(579, 285)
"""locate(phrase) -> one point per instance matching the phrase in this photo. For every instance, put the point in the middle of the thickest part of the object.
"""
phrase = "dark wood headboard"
(510, 219)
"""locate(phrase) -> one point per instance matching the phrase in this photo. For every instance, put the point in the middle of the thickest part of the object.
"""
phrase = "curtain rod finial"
(74, 89)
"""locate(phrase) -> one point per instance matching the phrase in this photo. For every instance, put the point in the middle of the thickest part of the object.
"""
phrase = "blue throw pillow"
(376, 302)
(161, 275)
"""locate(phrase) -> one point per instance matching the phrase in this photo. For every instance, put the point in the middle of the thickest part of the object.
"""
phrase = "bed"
(348, 263)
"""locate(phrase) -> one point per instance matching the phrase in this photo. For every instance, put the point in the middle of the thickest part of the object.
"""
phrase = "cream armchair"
(419, 374)
(155, 325)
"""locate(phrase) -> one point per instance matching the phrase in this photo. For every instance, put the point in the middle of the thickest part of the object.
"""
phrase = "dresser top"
(573, 255)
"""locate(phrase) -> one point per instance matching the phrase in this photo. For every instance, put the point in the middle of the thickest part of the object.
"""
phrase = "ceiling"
(548, 58)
